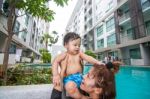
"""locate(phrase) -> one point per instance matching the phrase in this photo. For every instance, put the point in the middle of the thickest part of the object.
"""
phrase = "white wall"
(145, 53)
(55, 50)
(12, 59)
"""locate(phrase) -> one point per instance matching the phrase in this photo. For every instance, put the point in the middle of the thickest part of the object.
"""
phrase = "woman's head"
(100, 81)
(72, 42)
(96, 80)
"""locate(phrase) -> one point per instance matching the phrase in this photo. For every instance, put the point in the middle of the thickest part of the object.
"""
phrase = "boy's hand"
(100, 63)
(56, 80)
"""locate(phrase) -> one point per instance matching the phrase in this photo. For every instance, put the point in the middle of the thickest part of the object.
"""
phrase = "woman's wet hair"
(70, 36)
(104, 76)
(113, 66)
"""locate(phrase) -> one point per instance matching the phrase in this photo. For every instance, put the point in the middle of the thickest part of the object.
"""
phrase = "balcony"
(148, 31)
(124, 18)
(88, 10)
(124, 37)
(146, 6)
(88, 3)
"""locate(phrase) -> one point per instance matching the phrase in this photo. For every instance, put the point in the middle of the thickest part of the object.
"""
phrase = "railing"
(145, 5)
(124, 17)
(126, 37)
(147, 31)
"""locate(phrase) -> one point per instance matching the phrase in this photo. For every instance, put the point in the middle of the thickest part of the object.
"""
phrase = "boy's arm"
(55, 64)
(89, 59)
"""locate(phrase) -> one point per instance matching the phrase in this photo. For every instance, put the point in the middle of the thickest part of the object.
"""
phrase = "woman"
(99, 83)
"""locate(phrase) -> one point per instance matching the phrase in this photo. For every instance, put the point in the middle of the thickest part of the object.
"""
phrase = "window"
(17, 27)
(100, 43)
(109, 6)
(23, 35)
(110, 24)
(145, 4)
(99, 30)
(148, 28)
(12, 49)
(135, 53)
(143, 1)
(100, 56)
(111, 40)
(130, 34)
(27, 20)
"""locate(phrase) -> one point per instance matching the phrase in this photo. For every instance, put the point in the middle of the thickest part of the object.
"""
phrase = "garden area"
(27, 75)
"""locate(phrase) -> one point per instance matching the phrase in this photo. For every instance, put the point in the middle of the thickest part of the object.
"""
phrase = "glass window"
(145, 4)
(111, 40)
(16, 28)
(12, 49)
(100, 43)
(148, 28)
(130, 34)
(99, 30)
(27, 20)
(23, 35)
(109, 6)
(110, 24)
(135, 53)
(143, 1)
(101, 56)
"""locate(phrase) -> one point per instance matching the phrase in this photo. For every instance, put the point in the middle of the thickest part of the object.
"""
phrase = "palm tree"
(49, 40)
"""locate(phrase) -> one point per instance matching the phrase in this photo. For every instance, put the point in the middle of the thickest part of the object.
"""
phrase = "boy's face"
(73, 46)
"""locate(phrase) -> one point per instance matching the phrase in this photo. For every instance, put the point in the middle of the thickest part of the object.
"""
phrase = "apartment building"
(26, 43)
(76, 21)
(119, 28)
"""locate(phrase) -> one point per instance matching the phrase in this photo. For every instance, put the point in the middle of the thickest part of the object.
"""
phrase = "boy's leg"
(56, 92)
(72, 90)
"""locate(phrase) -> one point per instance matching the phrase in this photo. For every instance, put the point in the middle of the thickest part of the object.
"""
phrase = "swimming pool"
(131, 82)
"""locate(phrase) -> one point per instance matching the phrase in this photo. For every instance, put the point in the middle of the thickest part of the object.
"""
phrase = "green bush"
(90, 53)
(25, 75)
(46, 56)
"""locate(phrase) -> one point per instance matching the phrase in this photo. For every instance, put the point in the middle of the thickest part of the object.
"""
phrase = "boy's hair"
(70, 36)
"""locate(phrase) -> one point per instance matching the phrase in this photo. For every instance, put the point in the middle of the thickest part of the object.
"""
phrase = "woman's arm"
(55, 64)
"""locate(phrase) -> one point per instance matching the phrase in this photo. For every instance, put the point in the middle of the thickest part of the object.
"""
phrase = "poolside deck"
(26, 92)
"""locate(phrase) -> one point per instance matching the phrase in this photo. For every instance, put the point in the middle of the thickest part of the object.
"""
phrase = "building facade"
(118, 28)
(24, 44)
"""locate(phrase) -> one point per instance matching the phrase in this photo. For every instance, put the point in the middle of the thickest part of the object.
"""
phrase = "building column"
(1, 3)
(145, 53)
(117, 30)
(137, 19)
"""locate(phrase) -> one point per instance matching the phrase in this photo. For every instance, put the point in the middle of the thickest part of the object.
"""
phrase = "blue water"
(131, 82)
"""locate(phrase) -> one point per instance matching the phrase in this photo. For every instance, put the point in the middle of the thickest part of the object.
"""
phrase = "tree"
(46, 56)
(90, 53)
(36, 8)
(48, 39)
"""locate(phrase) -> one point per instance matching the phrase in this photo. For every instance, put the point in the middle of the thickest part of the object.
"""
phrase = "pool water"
(131, 82)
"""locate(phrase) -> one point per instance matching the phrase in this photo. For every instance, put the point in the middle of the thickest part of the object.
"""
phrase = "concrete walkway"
(26, 92)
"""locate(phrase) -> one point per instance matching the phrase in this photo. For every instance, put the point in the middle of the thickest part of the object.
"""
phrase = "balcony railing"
(146, 5)
(147, 31)
(124, 17)
(126, 37)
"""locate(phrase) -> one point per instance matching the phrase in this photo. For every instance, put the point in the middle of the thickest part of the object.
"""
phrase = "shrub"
(90, 53)
(25, 75)
(46, 56)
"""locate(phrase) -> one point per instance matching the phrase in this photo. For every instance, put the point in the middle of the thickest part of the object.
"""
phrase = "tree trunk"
(46, 45)
(6, 58)
(10, 24)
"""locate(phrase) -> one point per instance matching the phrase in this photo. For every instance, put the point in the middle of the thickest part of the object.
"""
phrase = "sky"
(62, 17)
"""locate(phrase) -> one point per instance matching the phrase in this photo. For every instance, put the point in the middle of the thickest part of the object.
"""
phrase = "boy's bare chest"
(71, 61)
